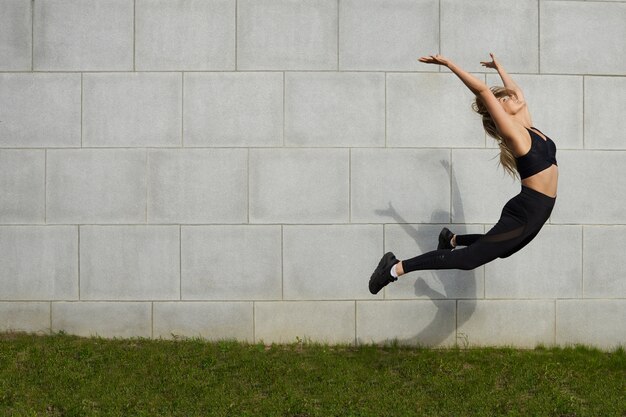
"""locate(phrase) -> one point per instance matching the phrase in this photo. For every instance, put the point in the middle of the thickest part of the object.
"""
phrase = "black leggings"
(521, 219)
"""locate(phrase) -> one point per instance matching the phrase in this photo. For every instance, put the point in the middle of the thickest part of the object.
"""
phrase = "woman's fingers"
(434, 59)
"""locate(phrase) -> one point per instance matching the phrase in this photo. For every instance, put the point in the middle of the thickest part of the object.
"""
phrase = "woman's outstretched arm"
(506, 78)
(502, 120)
(473, 83)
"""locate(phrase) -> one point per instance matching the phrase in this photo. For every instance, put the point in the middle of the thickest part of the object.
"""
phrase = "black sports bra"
(542, 155)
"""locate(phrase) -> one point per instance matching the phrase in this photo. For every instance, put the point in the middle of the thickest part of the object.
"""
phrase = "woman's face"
(511, 104)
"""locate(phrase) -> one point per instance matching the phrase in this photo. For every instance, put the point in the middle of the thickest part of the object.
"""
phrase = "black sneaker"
(444, 239)
(382, 273)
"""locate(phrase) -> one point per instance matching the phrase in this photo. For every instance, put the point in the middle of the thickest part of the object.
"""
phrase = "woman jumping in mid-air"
(523, 148)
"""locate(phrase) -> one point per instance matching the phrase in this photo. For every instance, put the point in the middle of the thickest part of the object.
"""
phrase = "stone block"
(103, 319)
(22, 186)
(233, 109)
(299, 185)
(185, 35)
(330, 262)
(287, 34)
(197, 186)
(409, 322)
(592, 185)
(586, 30)
(508, 28)
(39, 263)
(129, 263)
(603, 262)
(555, 103)
(330, 322)
(96, 186)
(86, 35)
(382, 35)
(132, 109)
(598, 323)
(406, 184)
(519, 323)
(16, 35)
(421, 106)
(334, 109)
(24, 317)
(605, 124)
(482, 188)
(409, 240)
(231, 263)
(40, 110)
(212, 321)
(548, 267)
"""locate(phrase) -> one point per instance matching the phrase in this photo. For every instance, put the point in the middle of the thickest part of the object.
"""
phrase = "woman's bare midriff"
(545, 181)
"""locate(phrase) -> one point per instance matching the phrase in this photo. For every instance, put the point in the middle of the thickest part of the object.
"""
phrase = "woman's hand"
(435, 59)
(493, 64)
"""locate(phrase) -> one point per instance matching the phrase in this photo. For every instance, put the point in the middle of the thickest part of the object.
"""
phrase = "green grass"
(62, 375)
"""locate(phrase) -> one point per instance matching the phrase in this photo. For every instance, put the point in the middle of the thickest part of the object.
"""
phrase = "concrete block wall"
(234, 169)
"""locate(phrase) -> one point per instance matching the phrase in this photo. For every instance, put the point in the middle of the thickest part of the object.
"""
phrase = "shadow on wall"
(453, 282)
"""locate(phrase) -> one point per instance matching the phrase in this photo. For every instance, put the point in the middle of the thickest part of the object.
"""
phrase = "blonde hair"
(507, 159)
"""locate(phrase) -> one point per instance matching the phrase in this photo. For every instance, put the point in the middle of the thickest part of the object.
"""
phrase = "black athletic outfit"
(521, 219)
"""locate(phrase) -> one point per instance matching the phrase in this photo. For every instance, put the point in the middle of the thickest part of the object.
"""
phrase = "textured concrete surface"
(233, 109)
(413, 122)
(103, 319)
(383, 35)
(129, 262)
(592, 187)
(235, 169)
(25, 316)
(299, 185)
(89, 35)
(422, 323)
(334, 109)
(414, 183)
(40, 263)
(131, 109)
(548, 267)
(329, 262)
(603, 95)
(524, 323)
(185, 35)
(40, 110)
(213, 321)
(287, 34)
(288, 321)
(197, 186)
(585, 30)
(231, 262)
(471, 29)
(604, 264)
(15, 31)
(592, 322)
(23, 183)
(96, 186)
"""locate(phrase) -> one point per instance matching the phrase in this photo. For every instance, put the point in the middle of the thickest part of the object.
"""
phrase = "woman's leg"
(502, 239)
(521, 219)
(466, 240)
(469, 257)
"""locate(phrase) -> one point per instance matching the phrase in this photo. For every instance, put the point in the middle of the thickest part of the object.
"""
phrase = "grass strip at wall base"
(61, 375)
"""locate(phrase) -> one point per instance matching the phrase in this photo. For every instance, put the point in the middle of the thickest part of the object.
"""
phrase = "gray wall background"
(236, 168)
